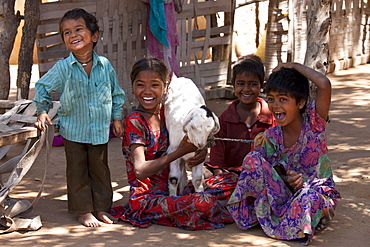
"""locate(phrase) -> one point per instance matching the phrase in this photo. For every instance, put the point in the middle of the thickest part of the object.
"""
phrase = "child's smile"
(279, 115)
(247, 87)
(148, 89)
(285, 108)
(77, 37)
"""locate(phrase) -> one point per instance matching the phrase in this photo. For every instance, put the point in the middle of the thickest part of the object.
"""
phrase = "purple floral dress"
(262, 197)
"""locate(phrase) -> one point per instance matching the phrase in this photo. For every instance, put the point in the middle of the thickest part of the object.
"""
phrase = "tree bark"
(318, 26)
(25, 57)
(274, 34)
(9, 22)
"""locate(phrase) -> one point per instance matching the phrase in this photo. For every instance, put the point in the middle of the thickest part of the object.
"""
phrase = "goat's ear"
(187, 120)
(217, 124)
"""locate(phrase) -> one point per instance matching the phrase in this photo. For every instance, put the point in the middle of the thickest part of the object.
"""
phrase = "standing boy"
(90, 100)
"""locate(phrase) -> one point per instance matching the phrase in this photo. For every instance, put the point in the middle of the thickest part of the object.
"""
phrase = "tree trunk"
(25, 57)
(9, 22)
(318, 26)
(274, 34)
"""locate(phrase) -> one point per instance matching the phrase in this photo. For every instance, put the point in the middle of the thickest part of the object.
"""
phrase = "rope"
(233, 140)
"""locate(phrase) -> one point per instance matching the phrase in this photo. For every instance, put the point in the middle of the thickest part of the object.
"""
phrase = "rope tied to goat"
(211, 140)
(234, 140)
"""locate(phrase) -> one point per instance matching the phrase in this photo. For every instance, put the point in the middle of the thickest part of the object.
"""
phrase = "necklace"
(85, 63)
(152, 113)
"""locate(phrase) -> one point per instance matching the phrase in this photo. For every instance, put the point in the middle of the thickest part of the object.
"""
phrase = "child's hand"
(283, 65)
(186, 147)
(295, 180)
(198, 158)
(40, 123)
(118, 128)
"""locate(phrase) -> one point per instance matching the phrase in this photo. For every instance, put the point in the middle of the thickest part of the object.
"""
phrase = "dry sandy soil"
(349, 150)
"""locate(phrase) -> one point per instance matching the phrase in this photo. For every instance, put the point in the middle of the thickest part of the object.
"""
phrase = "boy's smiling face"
(77, 37)
(247, 87)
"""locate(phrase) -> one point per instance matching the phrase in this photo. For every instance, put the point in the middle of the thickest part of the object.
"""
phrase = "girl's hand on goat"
(186, 147)
(198, 158)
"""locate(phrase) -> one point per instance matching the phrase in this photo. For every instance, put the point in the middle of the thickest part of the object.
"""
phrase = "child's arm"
(118, 98)
(322, 83)
(51, 81)
(146, 168)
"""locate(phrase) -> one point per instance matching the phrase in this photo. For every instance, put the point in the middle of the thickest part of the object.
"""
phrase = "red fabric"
(149, 201)
(229, 155)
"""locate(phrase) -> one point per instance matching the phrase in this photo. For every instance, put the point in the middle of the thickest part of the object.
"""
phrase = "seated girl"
(147, 165)
(287, 185)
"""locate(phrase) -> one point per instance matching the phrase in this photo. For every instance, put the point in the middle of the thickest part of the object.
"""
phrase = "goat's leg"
(198, 178)
(174, 176)
(184, 177)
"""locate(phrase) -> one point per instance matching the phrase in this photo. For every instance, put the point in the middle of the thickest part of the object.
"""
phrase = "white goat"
(186, 113)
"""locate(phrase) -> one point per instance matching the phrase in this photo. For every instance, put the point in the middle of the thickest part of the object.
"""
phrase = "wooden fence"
(204, 51)
(349, 42)
(123, 30)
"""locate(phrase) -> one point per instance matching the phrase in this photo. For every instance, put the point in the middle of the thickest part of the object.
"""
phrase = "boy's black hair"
(289, 81)
(151, 63)
(75, 14)
(249, 64)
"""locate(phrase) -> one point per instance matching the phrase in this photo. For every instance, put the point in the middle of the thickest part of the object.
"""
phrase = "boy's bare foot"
(89, 220)
(106, 218)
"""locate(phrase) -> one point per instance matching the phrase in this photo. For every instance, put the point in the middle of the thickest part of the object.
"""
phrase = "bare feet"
(322, 224)
(89, 220)
(106, 218)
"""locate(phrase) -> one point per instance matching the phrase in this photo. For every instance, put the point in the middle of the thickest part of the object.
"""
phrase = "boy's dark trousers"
(88, 177)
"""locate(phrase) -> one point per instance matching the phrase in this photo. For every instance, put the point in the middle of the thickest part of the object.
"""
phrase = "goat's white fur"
(185, 115)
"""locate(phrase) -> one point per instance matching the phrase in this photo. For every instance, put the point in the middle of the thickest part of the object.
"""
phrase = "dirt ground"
(349, 150)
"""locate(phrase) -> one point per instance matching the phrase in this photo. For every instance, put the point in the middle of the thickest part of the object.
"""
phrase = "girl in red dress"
(144, 146)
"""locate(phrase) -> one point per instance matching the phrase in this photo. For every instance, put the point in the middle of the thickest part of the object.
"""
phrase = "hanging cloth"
(155, 47)
(157, 23)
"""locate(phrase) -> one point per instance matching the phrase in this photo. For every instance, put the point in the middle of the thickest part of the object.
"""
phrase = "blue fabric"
(88, 104)
(157, 21)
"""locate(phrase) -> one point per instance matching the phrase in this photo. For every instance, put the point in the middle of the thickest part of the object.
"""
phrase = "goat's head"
(199, 124)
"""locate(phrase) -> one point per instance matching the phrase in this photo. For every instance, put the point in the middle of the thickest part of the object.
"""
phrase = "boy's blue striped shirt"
(88, 104)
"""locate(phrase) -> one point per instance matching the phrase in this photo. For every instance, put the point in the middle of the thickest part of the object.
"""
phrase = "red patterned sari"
(149, 201)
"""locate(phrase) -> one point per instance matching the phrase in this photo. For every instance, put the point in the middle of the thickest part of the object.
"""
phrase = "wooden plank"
(44, 67)
(4, 127)
(53, 54)
(49, 40)
(204, 8)
(17, 135)
(48, 28)
(212, 42)
(23, 118)
(5, 117)
(6, 104)
(4, 150)
(58, 11)
(207, 38)
(214, 31)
